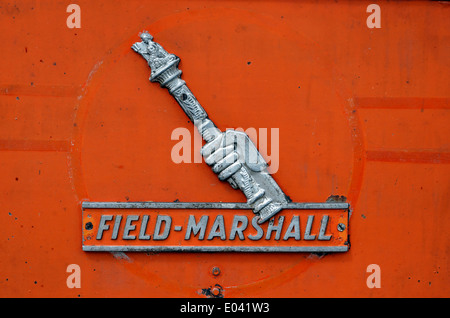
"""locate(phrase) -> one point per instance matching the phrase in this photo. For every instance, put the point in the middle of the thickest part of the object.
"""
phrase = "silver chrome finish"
(209, 205)
(209, 249)
(246, 169)
(341, 227)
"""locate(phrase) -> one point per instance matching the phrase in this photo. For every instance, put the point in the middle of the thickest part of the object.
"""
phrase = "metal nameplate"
(213, 227)
(254, 226)
(231, 154)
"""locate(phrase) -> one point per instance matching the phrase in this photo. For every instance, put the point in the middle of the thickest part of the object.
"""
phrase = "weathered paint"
(364, 112)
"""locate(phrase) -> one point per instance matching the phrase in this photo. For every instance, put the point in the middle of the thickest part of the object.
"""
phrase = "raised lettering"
(130, 227)
(308, 236)
(157, 236)
(259, 230)
(218, 229)
(116, 227)
(293, 229)
(323, 229)
(238, 229)
(142, 235)
(103, 226)
(196, 227)
(277, 228)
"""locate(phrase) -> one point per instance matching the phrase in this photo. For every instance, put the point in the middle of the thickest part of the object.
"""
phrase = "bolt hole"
(89, 226)
(216, 271)
(183, 97)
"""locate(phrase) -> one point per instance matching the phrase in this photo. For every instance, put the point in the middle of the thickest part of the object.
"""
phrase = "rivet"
(216, 271)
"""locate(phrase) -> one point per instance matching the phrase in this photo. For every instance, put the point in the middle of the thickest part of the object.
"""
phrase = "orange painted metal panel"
(362, 113)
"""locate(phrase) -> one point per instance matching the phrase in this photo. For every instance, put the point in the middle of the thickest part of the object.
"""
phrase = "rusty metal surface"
(362, 113)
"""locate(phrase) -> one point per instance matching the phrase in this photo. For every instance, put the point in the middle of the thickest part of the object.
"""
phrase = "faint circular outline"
(122, 49)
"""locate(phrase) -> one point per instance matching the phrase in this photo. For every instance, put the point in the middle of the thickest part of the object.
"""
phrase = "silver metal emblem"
(232, 155)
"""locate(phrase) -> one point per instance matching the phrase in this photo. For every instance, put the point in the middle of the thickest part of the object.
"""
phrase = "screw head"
(341, 227)
(215, 271)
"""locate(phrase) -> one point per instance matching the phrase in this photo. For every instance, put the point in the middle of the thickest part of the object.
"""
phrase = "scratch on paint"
(76, 128)
(121, 255)
(89, 79)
